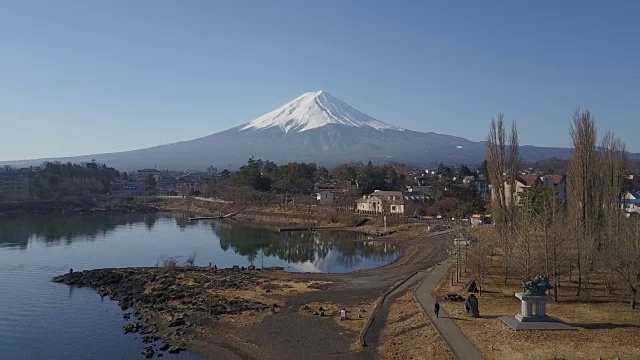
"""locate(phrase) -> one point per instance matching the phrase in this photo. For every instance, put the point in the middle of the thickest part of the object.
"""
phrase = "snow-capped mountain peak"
(314, 110)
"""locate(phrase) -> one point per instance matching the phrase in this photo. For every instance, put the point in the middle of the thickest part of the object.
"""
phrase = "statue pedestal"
(528, 303)
(528, 319)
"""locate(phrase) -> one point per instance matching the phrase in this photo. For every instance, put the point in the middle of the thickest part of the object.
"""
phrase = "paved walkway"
(462, 348)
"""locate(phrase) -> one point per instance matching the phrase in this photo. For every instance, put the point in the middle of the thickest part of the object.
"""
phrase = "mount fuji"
(315, 127)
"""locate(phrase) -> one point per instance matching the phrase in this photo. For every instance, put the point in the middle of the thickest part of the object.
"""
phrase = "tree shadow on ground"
(605, 326)
(489, 316)
(589, 301)
(454, 318)
(406, 331)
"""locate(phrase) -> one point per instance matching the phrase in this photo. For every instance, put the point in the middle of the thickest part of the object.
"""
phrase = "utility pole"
(457, 259)
(466, 245)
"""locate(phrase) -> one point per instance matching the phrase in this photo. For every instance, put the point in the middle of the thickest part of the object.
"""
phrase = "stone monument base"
(549, 323)
(528, 320)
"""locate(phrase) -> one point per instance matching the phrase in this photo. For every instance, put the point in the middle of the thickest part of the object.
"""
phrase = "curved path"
(461, 346)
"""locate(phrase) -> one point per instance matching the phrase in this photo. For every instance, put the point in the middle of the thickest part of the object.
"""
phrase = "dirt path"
(293, 335)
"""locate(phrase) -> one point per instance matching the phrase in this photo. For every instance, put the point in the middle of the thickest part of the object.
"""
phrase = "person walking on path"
(436, 308)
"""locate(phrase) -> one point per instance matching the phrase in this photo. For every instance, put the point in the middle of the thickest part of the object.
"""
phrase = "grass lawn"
(408, 333)
(606, 326)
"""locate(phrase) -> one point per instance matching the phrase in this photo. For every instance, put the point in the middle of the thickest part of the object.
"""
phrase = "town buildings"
(631, 202)
(325, 196)
(166, 183)
(390, 202)
(127, 188)
(524, 184)
(14, 184)
(418, 189)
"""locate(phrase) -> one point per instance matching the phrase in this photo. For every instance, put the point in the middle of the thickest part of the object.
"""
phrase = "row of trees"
(62, 181)
(265, 182)
(585, 236)
(301, 178)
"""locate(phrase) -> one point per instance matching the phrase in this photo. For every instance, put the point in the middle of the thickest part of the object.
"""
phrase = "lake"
(40, 319)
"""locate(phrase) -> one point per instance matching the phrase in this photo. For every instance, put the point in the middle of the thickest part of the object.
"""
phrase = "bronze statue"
(538, 286)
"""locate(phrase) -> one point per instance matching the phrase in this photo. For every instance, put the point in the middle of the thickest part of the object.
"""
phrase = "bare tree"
(620, 240)
(479, 255)
(612, 164)
(554, 237)
(502, 167)
(582, 195)
(624, 257)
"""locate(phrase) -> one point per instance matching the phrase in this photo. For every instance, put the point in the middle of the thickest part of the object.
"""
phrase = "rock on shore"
(169, 290)
(174, 299)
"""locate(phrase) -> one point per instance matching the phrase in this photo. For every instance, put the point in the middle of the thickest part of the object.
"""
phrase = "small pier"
(196, 218)
(306, 228)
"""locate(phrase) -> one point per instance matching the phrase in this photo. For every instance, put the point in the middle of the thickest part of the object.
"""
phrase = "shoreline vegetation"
(268, 217)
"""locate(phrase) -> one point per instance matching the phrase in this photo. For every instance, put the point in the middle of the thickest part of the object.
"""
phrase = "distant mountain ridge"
(315, 127)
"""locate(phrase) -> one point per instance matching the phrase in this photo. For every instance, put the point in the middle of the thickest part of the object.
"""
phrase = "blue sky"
(99, 76)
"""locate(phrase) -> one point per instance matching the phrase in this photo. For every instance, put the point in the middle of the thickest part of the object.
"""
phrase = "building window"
(393, 208)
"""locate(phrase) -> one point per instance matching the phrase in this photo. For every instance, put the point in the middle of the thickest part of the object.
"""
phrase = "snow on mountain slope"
(314, 110)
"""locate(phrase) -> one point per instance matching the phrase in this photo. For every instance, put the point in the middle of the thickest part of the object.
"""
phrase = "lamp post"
(385, 224)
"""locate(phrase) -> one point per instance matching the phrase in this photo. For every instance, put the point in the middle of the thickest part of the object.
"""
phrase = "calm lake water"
(43, 320)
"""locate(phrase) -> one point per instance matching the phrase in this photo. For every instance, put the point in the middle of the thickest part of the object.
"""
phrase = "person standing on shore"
(436, 308)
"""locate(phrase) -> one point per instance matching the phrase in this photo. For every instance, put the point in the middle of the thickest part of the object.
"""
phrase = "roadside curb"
(376, 310)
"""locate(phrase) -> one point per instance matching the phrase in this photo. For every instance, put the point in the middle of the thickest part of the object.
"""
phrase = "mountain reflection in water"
(325, 251)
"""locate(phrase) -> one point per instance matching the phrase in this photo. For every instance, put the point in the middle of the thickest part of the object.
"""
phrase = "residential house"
(468, 180)
(332, 192)
(127, 188)
(523, 184)
(166, 185)
(631, 202)
(326, 196)
(483, 187)
(146, 172)
(526, 183)
(558, 183)
(14, 184)
(418, 189)
(189, 184)
(389, 202)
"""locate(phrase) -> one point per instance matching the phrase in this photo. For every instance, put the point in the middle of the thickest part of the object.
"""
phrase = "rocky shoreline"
(175, 304)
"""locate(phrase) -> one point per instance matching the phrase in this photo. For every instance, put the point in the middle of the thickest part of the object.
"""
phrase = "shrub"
(191, 259)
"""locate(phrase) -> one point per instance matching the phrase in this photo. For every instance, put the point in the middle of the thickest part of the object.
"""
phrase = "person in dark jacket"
(436, 308)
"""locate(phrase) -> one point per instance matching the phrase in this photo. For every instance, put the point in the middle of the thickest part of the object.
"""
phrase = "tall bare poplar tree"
(619, 245)
(502, 168)
(612, 164)
(554, 237)
(583, 198)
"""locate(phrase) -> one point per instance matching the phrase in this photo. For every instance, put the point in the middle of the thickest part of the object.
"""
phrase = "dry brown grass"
(408, 333)
(268, 291)
(605, 327)
(279, 291)
(357, 316)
